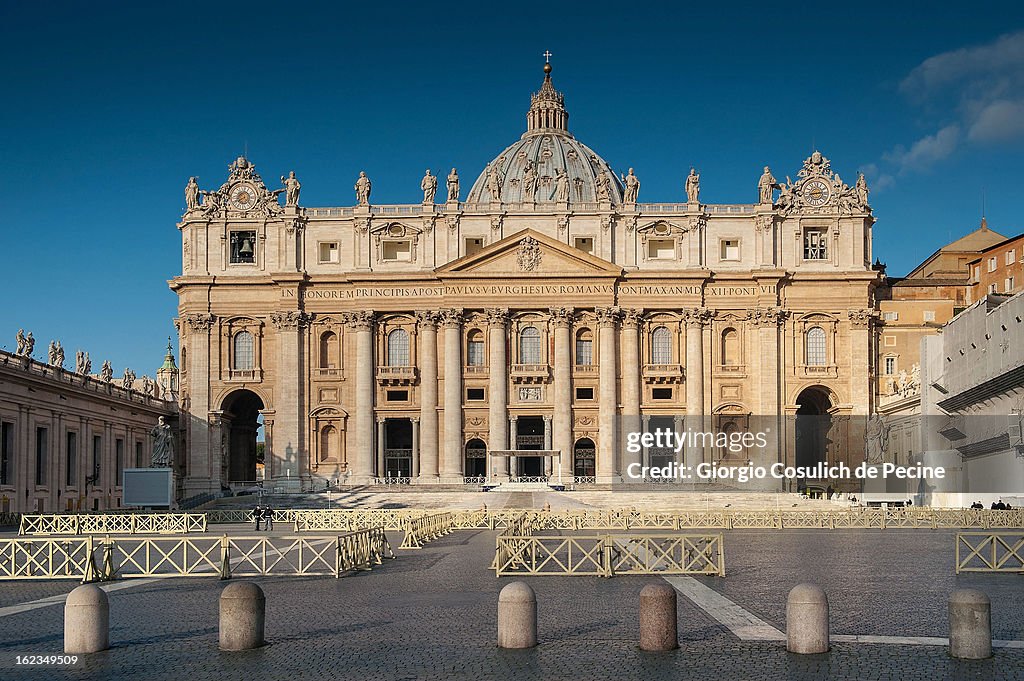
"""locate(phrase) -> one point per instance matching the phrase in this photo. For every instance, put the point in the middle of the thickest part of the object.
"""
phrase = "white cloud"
(925, 151)
(974, 66)
(999, 121)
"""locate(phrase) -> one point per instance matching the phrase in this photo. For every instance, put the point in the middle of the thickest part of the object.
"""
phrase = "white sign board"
(148, 487)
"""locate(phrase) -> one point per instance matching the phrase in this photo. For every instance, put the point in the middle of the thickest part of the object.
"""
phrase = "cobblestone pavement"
(431, 615)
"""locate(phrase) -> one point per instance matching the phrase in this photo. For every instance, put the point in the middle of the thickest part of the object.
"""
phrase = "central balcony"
(663, 373)
(530, 373)
(404, 375)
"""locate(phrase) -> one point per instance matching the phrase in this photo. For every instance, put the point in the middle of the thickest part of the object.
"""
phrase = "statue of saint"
(494, 183)
(530, 182)
(106, 371)
(429, 186)
(163, 445)
(211, 201)
(21, 342)
(561, 186)
(765, 185)
(693, 186)
(192, 194)
(602, 188)
(915, 376)
(291, 189)
(363, 187)
(876, 439)
(51, 354)
(862, 190)
(632, 184)
(453, 186)
(147, 385)
(128, 380)
(87, 367)
(60, 355)
(79, 362)
(30, 344)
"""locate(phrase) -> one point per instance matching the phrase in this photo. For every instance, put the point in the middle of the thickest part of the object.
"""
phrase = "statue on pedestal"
(765, 185)
(632, 184)
(192, 194)
(603, 193)
(60, 355)
(494, 183)
(453, 185)
(530, 182)
(30, 344)
(147, 385)
(128, 380)
(21, 342)
(561, 186)
(51, 354)
(862, 190)
(876, 439)
(429, 186)
(291, 189)
(163, 444)
(106, 371)
(693, 186)
(363, 187)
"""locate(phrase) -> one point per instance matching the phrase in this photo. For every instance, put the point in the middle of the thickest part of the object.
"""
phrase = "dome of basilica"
(547, 164)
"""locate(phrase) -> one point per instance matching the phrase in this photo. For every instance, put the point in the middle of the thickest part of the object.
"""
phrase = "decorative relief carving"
(451, 318)
(496, 223)
(563, 224)
(186, 255)
(453, 223)
(764, 223)
(862, 318)
(497, 316)
(531, 394)
(818, 189)
(361, 320)
(199, 321)
(698, 222)
(244, 194)
(291, 319)
(606, 222)
(632, 318)
(427, 318)
(607, 316)
(698, 316)
(770, 316)
(562, 317)
(530, 255)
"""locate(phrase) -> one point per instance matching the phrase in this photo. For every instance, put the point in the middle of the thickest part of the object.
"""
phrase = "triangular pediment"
(530, 253)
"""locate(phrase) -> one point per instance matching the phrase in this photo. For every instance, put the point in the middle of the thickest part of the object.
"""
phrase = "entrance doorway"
(476, 459)
(529, 436)
(813, 423)
(584, 455)
(241, 416)
(397, 448)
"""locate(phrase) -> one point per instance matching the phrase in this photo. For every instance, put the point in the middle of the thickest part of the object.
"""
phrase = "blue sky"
(111, 107)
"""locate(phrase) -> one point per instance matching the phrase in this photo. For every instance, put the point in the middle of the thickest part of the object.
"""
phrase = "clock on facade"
(243, 197)
(816, 193)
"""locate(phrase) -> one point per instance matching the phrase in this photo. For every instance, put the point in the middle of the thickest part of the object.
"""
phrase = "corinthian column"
(450, 464)
(696, 320)
(561, 319)
(203, 472)
(497, 382)
(291, 421)
(630, 379)
(428, 454)
(607, 470)
(361, 324)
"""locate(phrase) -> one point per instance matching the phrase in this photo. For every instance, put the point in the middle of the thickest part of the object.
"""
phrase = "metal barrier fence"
(989, 552)
(311, 520)
(418, 531)
(609, 555)
(92, 559)
(112, 523)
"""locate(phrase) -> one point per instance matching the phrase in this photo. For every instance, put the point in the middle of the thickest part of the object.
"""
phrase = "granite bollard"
(86, 620)
(658, 618)
(243, 609)
(807, 620)
(970, 624)
(517, 616)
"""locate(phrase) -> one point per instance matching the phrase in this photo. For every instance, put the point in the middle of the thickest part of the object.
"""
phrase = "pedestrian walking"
(257, 516)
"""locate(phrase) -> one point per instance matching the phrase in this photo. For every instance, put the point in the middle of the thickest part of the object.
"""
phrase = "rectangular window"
(730, 249)
(584, 352)
(138, 455)
(661, 393)
(6, 453)
(475, 353)
(1008, 285)
(977, 273)
(396, 251)
(474, 245)
(929, 315)
(585, 244)
(892, 316)
(398, 396)
(243, 247)
(661, 249)
(584, 393)
(329, 252)
(119, 460)
(992, 288)
(815, 245)
(992, 264)
(71, 459)
(97, 456)
(890, 366)
(889, 341)
(1011, 255)
(475, 394)
(42, 445)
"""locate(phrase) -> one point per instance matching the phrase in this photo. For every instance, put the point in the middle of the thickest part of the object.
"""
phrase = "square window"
(475, 394)
(396, 251)
(730, 249)
(889, 341)
(585, 244)
(329, 251)
(815, 244)
(661, 249)
(661, 393)
(929, 315)
(584, 393)
(474, 245)
(243, 248)
(398, 396)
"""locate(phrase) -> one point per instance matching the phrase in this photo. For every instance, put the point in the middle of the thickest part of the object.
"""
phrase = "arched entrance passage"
(476, 459)
(813, 423)
(241, 424)
(584, 454)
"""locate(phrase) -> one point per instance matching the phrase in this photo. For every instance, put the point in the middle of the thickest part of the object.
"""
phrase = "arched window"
(475, 348)
(661, 346)
(529, 346)
(328, 354)
(814, 341)
(730, 347)
(584, 347)
(244, 357)
(398, 348)
(327, 440)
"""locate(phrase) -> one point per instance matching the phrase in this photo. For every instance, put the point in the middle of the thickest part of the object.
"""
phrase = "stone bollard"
(86, 620)
(970, 625)
(658, 618)
(243, 610)
(807, 619)
(517, 616)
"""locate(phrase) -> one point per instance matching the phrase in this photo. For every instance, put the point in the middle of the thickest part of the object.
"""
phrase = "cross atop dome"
(547, 107)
